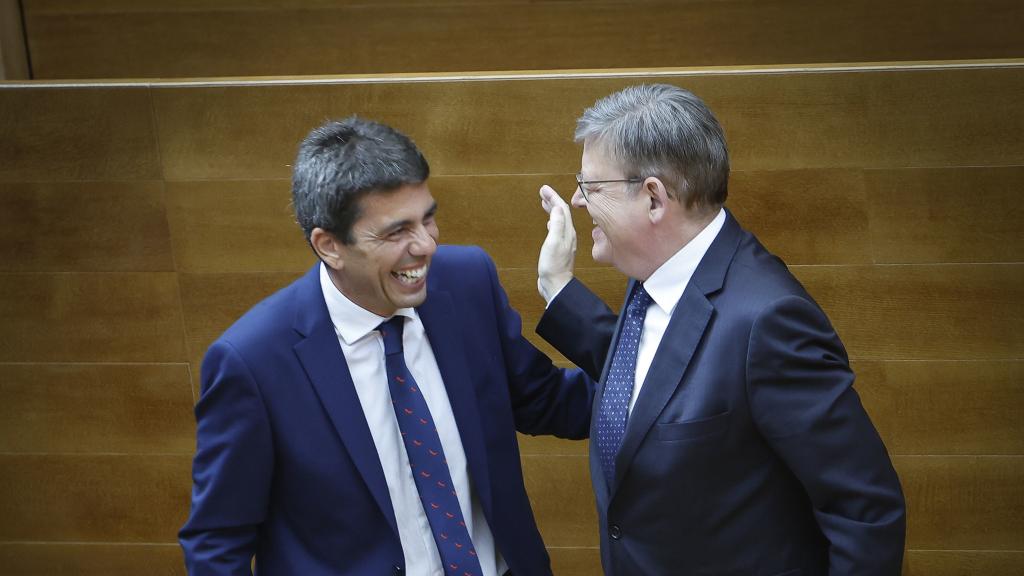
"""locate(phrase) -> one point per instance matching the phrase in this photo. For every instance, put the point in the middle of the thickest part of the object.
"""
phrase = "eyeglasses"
(581, 183)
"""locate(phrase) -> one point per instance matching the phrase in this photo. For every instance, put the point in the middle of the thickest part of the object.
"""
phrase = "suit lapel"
(438, 316)
(321, 357)
(683, 335)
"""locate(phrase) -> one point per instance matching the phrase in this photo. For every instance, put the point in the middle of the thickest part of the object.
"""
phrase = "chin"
(411, 300)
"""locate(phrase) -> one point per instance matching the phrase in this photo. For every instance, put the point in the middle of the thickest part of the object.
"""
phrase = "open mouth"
(411, 277)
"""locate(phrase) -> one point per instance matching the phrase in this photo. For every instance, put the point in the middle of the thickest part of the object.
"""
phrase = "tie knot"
(391, 333)
(639, 301)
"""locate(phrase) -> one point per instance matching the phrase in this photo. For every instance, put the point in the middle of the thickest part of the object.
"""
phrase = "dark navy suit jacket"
(286, 470)
(747, 451)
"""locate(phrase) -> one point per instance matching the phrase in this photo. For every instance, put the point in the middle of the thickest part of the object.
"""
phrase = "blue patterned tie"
(426, 457)
(618, 387)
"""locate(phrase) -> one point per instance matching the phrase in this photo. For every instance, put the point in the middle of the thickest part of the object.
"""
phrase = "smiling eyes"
(407, 231)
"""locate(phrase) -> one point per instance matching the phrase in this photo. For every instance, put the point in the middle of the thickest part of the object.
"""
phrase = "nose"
(578, 200)
(423, 243)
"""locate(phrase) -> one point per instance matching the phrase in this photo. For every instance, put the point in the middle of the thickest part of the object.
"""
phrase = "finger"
(568, 231)
(549, 198)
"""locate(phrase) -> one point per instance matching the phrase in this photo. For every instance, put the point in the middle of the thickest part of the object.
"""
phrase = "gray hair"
(342, 161)
(664, 131)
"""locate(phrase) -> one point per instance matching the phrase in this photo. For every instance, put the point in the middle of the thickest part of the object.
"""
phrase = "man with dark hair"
(363, 419)
(726, 436)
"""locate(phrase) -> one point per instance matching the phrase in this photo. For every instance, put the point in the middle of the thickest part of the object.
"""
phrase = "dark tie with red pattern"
(426, 457)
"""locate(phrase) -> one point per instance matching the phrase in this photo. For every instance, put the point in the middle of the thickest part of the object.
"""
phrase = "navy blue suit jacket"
(285, 467)
(747, 451)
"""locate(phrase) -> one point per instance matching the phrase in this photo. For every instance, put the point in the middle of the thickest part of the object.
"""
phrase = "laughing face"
(385, 268)
(619, 214)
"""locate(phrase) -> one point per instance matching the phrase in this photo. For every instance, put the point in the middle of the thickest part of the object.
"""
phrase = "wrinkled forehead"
(598, 160)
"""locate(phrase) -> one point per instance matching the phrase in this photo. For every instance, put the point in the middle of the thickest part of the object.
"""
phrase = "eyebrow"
(403, 223)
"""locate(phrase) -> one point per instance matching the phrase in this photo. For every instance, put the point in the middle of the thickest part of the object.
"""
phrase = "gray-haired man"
(726, 436)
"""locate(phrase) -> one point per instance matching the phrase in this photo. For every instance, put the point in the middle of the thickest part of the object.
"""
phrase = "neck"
(671, 235)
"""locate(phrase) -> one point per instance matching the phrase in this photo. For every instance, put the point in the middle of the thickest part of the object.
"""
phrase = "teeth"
(411, 275)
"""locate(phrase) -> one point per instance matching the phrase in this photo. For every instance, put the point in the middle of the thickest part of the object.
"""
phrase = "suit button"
(398, 571)
(615, 532)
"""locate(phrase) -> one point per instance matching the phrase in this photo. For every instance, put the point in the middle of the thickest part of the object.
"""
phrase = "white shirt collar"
(351, 321)
(668, 282)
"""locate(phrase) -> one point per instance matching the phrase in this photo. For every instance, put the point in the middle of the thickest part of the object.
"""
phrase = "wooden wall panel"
(93, 498)
(48, 559)
(84, 227)
(962, 563)
(937, 312)
(235, 226)
(77, 134)
(13, 48)
(963, 503)
(892, 193)
(575, 561)
(162, 38)
(524, 126)
(90, 318)
(940, 312)
(946, 214)
(110, 408)
(943, 407)
(803, 216)
(562, 499)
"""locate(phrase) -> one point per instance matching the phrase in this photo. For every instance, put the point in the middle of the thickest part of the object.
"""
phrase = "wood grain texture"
(77, 134)
(946, 215)
(562, 499)
(108, 408)
(804, 216)
(88, 498)
(782, 121)
(932, 312)
(963, 563)
(963, 503)
(80, 559)
(161, 38)
(13, 49)
(129, 317)
(84, 227)
(575, 561)
(927, 312)
(235, 226)
(937, 407)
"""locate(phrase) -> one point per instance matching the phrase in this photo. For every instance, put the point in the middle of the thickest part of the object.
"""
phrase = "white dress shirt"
(363, 347)
(666, 286)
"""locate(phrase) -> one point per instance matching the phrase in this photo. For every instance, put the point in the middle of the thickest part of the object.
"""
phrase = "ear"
(657, 199)
(328, 247)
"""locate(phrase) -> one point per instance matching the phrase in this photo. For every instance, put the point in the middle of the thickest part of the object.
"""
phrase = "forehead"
(598, 160)
(410, 202)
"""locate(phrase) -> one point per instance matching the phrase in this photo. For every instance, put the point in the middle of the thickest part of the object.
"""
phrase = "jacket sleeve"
(545, 399)
(800, 389)
(580, 326)
(232, 469)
